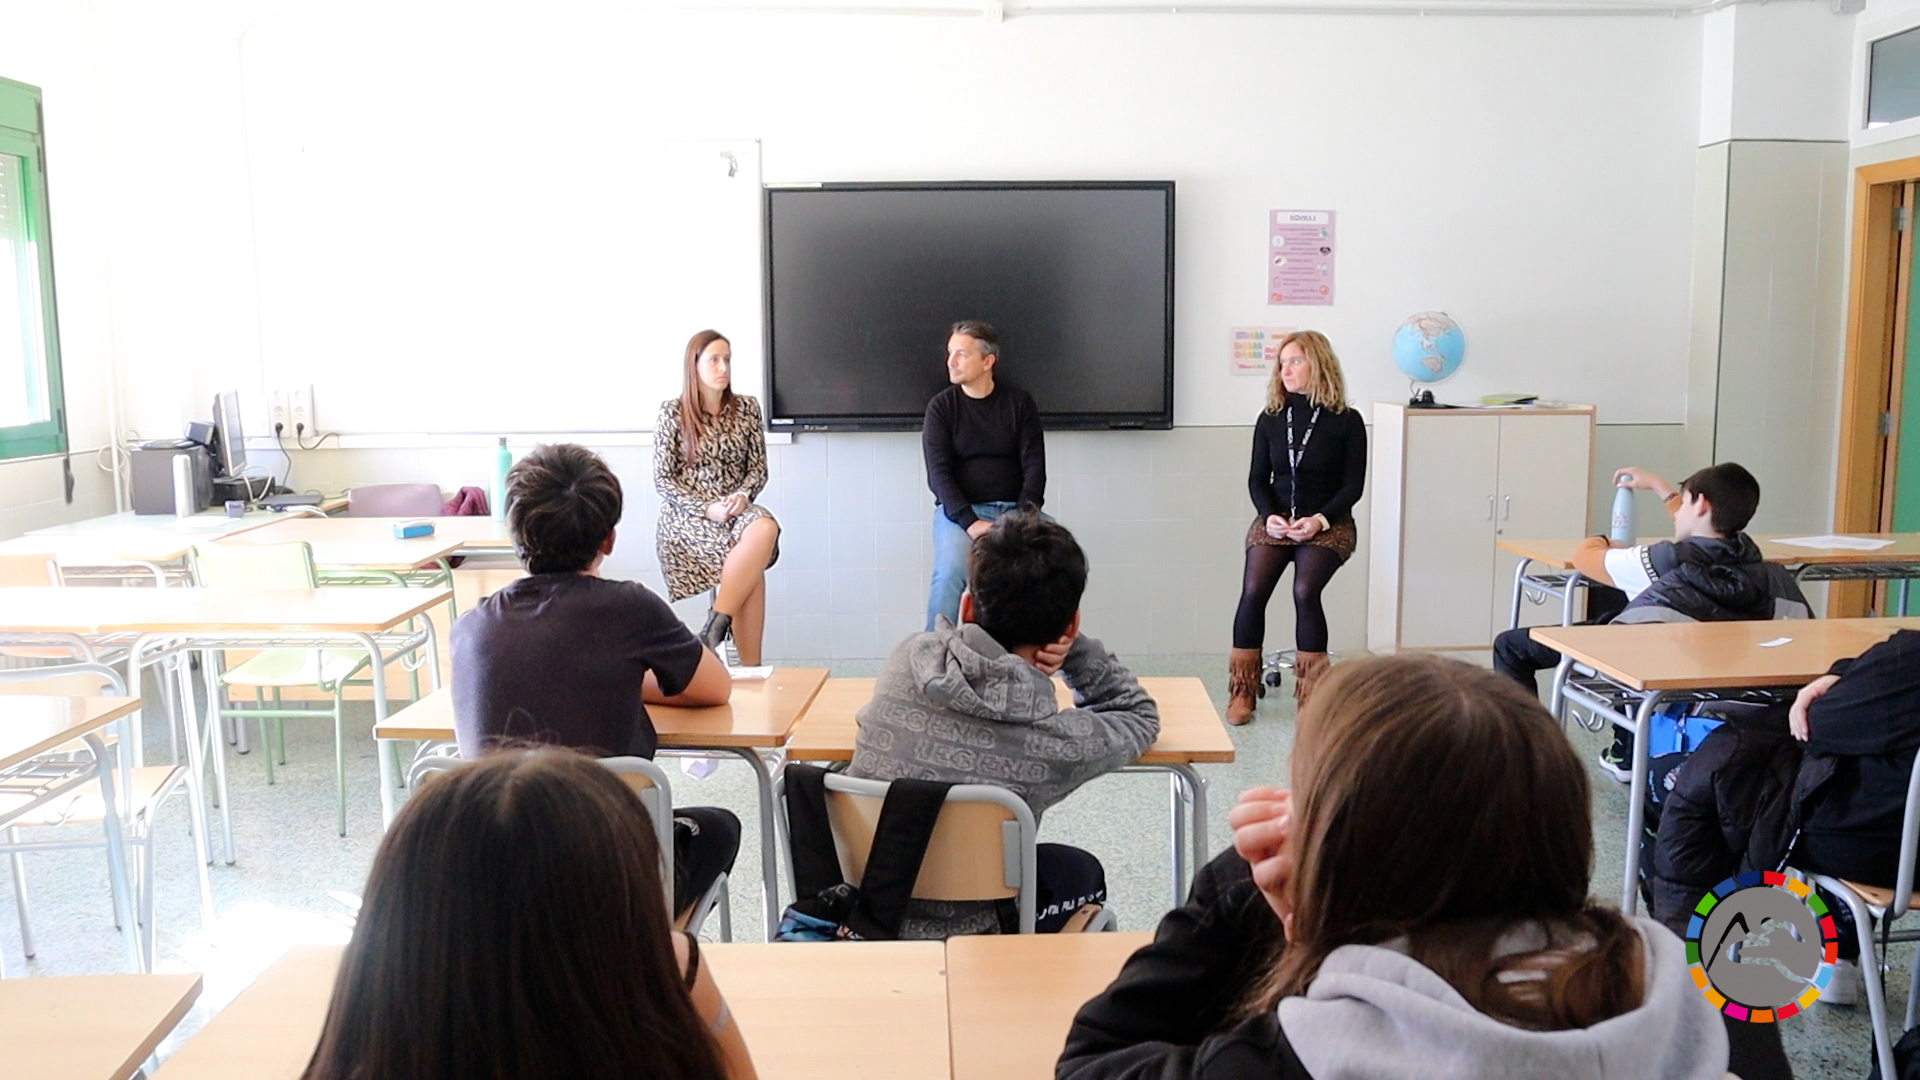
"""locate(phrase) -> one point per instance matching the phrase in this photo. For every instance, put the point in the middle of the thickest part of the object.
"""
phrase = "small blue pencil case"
(407, 530)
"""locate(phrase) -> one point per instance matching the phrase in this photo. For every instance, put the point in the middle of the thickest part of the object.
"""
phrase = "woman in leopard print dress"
(709, 463)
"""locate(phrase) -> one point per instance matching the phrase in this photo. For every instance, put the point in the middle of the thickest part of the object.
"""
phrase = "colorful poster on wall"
(1300, 257)
(1255, 349)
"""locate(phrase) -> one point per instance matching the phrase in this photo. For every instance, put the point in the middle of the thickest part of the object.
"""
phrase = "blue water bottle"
(1621, 532)
(497, 495)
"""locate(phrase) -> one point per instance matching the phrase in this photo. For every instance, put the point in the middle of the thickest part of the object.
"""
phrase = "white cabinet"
(1446, 485)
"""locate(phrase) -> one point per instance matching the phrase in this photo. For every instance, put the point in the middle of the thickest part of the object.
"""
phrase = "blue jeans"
(951, 546)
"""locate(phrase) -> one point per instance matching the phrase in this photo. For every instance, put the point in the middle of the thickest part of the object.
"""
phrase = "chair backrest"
(982, 847)
(254, 566)
(395, 500)
(647, 780)
(28, 569)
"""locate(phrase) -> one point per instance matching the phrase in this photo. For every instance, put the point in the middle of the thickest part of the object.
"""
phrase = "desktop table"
(31, 726)
(1545, 570)
(1190, 733)
(88, 1027)
(1012, 997)
(1637, 667)
(758, 720)
(156, 623)
(470, 534)
(823, 1010)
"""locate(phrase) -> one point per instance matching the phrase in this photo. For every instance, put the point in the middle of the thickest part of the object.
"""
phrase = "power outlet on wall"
(279, 414)
(301, 402)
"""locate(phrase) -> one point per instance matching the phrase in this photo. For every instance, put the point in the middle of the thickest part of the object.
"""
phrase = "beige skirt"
(1339, 539)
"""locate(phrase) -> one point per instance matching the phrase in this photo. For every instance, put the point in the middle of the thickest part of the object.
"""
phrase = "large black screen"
(863, 281)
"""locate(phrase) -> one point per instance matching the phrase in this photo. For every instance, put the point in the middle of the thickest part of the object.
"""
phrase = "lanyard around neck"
(1295, 454)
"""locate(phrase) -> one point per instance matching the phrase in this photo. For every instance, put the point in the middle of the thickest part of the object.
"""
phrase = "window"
(1893, 79)
(32, 414)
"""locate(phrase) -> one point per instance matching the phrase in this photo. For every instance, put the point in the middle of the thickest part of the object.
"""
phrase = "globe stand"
(1420, 399)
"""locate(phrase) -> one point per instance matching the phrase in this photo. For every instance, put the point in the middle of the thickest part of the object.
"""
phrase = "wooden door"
(1546, 473)
(1447, 531)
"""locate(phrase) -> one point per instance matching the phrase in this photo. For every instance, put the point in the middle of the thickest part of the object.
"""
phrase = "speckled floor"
(295, 879)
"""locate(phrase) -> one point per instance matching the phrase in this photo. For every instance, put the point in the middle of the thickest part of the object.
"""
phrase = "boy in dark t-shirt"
(568, 658)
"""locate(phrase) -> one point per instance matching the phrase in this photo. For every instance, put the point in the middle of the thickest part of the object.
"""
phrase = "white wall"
(1499, 169)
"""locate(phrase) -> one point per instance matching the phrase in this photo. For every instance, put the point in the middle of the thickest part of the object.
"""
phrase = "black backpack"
(830, 909)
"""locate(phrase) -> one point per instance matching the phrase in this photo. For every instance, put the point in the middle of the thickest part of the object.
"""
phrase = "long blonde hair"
(1327, 388)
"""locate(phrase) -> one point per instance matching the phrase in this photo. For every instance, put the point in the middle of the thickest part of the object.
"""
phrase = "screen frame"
(229, 433)
(1051, 421)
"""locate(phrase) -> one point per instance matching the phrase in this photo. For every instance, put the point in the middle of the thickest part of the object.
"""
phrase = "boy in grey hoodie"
(974, 704)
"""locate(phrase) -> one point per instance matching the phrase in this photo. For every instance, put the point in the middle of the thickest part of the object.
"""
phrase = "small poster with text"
(1255, 349)
(1300, 257)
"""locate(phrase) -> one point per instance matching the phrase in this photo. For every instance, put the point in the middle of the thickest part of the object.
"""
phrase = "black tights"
(1313, 567)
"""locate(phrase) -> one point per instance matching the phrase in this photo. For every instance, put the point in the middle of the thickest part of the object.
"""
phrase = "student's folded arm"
(1124, 714)
(1875, 707)
(1590, 559)
(710, 685)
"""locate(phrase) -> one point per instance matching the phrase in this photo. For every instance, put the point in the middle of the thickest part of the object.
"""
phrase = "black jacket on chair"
(1171, 1012)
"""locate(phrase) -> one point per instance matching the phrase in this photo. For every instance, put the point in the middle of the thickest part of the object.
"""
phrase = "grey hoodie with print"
(952, 704)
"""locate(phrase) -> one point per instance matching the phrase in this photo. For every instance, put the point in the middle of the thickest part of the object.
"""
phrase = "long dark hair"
(514, 925)
(693, 419)
(1438, 802)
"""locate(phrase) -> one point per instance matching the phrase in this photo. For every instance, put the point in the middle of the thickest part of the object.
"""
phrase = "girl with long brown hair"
(1309, 468)
(1428, 871)
(709, 464)
(514, 925)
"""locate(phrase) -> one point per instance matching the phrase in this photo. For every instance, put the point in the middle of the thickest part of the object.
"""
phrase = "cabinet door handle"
(1489, 508)
(1506, 508)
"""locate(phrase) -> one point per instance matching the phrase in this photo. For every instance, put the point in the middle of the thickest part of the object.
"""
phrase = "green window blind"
(32, 413)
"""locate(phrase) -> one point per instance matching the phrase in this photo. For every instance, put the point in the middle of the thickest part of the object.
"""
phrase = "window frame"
(20, 136)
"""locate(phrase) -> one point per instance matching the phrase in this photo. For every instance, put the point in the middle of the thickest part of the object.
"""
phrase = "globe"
(1428, 347)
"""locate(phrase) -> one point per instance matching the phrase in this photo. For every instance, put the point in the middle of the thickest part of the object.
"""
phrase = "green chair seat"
(297, 667)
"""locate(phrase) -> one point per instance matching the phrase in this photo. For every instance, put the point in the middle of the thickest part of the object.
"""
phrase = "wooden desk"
(760, 716)
(1011, 998)
(470, 534)
(211, 521)
(833, 1010)
(1191, 732)
(1639, 666)
(806, 1011)
(88, 1027)
(163, 621)
(354, 543)
(270, 1030)
(31, 726)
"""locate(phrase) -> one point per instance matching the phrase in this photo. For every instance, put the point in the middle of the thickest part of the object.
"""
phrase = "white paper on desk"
(1844, 543)
(744, 673)
(1775, 643)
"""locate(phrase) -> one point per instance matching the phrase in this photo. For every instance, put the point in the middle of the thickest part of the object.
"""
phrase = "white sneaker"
(1844, 988)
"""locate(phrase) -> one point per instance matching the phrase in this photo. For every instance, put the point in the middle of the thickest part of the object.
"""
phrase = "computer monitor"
(230, 443)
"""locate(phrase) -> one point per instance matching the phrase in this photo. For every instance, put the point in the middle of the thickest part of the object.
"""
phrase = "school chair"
(649, 781)
(37, 797)
(395, 500)
(277, 566)
(982, 847)
(1875, 904)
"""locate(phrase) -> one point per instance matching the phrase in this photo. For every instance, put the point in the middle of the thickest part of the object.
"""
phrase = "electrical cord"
(287, 480)
(299, 433)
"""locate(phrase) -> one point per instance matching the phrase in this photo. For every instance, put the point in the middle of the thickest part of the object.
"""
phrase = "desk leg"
(209, 676)
(1177, 833)
(192, 734)
(1556, 701)
(769, 840)
(1566, 597)
(116, 851)
(383, 749)
(1519, 576)
(1637, 804)
(1192, 787)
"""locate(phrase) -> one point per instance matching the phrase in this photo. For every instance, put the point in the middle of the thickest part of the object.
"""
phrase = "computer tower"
(153, 475)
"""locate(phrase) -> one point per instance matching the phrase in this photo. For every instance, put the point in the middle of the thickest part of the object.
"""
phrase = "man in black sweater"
(985, 457)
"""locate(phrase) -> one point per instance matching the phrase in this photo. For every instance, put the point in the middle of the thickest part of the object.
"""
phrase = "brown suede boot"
(1308, 667)
(1243, 684)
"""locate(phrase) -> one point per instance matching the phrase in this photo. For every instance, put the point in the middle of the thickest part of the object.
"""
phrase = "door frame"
(1873, 327)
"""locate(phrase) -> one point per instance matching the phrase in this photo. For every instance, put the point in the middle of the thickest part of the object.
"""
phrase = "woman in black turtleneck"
(1309, 467)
